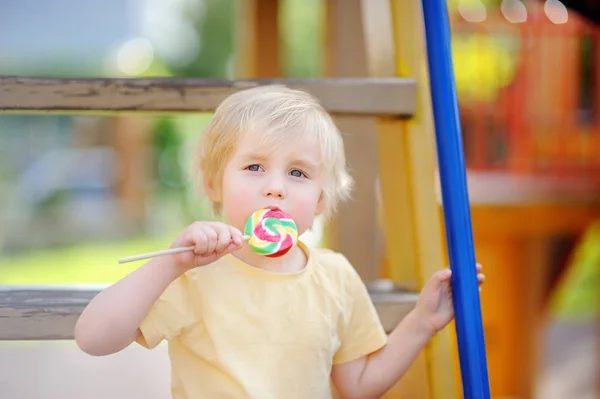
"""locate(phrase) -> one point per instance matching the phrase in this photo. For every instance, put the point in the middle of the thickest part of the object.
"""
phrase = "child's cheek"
(303, 210)
(238, 201)
(244, 192)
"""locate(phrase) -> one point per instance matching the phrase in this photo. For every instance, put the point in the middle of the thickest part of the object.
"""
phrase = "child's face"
(289, 178)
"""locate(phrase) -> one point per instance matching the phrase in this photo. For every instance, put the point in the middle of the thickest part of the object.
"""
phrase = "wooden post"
(354, 231)
(362, 41)
(258, 39)
(408, 173)
(131, 139)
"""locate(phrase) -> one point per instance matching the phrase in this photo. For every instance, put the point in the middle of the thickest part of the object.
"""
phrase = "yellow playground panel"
(376, 85)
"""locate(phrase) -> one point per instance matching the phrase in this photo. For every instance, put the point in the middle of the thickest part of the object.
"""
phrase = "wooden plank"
(44, 313)
(363, 96)
(50, 313)
(534, 220)
(416, 252)
(506, 189)
(392, 305)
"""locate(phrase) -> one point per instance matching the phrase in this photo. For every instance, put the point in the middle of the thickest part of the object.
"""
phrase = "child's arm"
(111, 320)
(371, 376)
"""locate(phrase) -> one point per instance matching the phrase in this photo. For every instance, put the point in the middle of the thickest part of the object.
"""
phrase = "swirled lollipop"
(269, 232)
(272, 232)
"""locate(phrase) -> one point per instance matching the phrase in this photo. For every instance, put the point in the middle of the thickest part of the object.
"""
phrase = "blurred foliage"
(167, 141)
(216, 28)
(303, 35)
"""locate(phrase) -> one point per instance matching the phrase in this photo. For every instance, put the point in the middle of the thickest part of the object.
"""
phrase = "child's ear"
(213, 192)
(320, 205)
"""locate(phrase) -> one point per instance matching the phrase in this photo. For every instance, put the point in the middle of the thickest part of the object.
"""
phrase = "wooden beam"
(258, 50)
(363, 96)
(50, 313)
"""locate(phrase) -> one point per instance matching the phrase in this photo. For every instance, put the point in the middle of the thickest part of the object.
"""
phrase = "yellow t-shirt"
(235, 331)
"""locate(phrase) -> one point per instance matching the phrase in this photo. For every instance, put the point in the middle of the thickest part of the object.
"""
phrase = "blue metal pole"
(457, 216)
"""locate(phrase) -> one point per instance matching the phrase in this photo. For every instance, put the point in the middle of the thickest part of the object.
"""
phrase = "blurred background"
(78, 192)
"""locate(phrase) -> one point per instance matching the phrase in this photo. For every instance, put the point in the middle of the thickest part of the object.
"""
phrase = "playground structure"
(532, 107)
(533, 154)
(376, 86)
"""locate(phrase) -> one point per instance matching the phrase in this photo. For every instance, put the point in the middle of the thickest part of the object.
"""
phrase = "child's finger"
(211, 238)
(223, 237)
(199, 239)
(236, 236)
(445, 274)
(440, 277)
(479, 267)
(481, 278)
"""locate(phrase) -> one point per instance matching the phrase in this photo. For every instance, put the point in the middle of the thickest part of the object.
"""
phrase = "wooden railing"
(362, 96)
(50, 312)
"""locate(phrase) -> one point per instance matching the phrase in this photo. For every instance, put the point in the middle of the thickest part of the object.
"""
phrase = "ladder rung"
(50, 312)
(367, 96)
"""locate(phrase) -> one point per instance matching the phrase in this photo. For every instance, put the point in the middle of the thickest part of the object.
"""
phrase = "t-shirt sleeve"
(172, 313)
(363, 332)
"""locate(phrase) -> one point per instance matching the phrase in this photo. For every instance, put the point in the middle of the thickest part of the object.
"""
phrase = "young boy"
(241, 325)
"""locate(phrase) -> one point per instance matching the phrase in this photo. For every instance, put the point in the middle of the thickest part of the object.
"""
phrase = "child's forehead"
(288, 143)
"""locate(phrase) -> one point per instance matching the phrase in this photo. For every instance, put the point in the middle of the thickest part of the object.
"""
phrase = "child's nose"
(278, 193)
(274, 189)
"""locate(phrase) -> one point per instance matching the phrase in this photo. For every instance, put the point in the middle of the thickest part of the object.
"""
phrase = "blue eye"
(253, 168)
(297, 173)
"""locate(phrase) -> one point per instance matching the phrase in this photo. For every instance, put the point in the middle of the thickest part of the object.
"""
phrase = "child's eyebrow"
(249, 156)
(306, 163)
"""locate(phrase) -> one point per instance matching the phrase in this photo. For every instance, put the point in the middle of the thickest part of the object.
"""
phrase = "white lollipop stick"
(164, 252)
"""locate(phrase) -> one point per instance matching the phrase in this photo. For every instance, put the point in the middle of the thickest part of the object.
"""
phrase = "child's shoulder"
(332, 262)
(336, 273)
(329, 256)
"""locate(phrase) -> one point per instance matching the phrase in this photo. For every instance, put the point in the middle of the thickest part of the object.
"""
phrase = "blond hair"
(278, 116)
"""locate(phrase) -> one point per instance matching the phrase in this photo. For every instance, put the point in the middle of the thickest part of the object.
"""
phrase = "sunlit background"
(526, 76)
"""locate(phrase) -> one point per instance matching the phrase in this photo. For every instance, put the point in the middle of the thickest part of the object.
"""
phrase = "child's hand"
(212, 240)
(435, 301)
